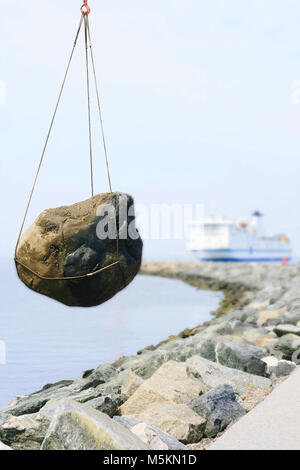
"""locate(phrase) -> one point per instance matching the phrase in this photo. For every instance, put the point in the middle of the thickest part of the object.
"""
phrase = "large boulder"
(31, 404)
(70, 241)
(108, 404)
(219, 407)
(286, 329)
(285, 347)
(179, 421)
(23, 432)
(214, 375)
(173, 382)
(207, 348)
(79, 427)
(102, 374)
(245, 357)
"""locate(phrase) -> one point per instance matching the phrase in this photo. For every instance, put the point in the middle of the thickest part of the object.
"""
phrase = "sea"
(43, 341)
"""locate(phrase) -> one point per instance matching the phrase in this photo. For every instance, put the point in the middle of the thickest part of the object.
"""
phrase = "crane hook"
(85, 9)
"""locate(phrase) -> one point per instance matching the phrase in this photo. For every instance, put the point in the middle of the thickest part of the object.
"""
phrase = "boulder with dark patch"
(79, 240)
(79, 427)
(245, 357)
(219, 407)
(285, 329)
(285, 347)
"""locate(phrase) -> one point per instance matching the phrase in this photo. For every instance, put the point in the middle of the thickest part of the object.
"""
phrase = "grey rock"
(278, 368)
(291, 318)
(251, 318)
(33, 403)
(65, 242)
(99, 376)
(255, 366)
(91, 384)
(150, 363)
(285, 347)
(207, 349)
(286, 329)
(219, 407)
(114, 385)
(108, 404)
(60, 384)
(244, 357)
(28, 405)
(274, 321)
(284, 368)
(225, 328)
(23, 432)
(79, 427)
(171, 442)
(48, 411)
(214, 375)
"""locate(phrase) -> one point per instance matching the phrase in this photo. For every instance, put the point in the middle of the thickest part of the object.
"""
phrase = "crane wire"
(88, 45)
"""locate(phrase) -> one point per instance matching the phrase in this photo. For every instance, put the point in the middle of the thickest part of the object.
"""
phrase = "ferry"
(220, 239)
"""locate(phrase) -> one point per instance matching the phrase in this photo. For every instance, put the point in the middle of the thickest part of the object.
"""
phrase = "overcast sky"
(200, 99)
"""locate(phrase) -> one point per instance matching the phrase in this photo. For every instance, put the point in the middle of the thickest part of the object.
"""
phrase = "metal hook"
(85, 9)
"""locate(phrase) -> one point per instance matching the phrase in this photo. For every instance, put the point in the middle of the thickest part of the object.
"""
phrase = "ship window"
(212, 229)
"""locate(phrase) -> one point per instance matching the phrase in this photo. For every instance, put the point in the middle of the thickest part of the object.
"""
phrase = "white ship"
(219, 239)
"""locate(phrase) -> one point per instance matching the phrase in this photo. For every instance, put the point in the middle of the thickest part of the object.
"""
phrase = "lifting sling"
(85, 11)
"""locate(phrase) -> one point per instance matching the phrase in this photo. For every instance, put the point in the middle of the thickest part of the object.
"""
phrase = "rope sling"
(85, 11)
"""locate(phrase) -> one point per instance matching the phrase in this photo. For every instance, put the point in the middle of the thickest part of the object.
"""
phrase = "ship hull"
(246, 256)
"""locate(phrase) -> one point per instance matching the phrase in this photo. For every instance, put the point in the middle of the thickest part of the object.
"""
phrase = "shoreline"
(241, 353)
(233, 292)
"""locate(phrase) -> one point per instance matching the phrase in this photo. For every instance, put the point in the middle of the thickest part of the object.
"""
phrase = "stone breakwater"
(184, 391)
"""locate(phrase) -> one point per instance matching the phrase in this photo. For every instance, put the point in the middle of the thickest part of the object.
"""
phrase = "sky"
(201, 104)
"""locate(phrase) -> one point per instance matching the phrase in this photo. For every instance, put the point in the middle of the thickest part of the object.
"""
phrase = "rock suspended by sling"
(80, 240)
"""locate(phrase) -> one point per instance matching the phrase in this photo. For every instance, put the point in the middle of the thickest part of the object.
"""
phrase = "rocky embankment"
(184, 391)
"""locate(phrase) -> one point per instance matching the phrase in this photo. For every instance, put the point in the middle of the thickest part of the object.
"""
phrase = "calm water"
(47, 342)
